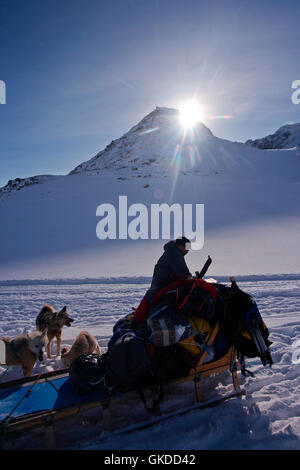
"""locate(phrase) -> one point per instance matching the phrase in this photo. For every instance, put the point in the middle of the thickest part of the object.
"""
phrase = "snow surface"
(267, 418)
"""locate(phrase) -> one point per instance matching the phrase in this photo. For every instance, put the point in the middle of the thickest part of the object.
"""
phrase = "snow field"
(267, 418)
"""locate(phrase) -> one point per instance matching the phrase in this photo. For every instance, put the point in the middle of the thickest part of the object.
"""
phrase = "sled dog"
(84, 343)
(24, 350)
(54, 322)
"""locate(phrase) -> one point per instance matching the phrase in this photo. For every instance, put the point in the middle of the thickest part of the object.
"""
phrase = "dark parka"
(170, 266)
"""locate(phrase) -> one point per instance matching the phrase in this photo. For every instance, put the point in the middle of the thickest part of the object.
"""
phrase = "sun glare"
(190, 114)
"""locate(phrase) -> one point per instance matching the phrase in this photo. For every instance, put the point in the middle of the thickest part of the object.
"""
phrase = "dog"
(24, 350)
(54, 323)
(84, 343)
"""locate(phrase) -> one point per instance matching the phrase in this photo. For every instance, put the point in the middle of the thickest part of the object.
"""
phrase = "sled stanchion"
(227, 362)
(49, 433)
(236, 384)
(198, 389)
(107, 425)
(156, 411)
(233, 369)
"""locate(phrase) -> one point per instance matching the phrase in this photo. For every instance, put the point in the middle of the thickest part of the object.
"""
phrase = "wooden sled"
(61, 422)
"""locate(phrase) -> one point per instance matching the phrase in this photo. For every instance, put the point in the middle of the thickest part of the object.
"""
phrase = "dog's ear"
(63, 310)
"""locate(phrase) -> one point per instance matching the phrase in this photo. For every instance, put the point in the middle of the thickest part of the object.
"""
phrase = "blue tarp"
(42, 397)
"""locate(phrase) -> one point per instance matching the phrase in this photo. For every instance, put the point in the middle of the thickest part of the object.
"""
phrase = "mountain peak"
(153, 141)
(164, 110)
(162, 116)
(287, 136)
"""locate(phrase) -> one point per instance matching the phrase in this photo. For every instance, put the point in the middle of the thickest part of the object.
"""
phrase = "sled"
(43, 412)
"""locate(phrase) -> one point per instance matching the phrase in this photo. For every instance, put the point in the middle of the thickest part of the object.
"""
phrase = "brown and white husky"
(84, 343)
(54, 323)
(23, 350)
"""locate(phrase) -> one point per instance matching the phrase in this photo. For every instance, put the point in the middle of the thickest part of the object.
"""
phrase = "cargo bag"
(196, 343)
(167, 326)
(196, 301)
(129, 366)
(87, 373)
(244, 327)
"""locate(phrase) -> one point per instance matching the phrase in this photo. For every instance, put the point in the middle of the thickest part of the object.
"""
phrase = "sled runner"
(43, 412)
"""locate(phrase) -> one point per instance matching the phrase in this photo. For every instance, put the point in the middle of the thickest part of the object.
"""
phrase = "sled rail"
(33, 378)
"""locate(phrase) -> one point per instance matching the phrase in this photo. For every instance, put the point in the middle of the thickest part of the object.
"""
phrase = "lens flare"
(190, 114)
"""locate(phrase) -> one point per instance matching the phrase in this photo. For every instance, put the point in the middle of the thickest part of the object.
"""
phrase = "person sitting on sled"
(170, 266)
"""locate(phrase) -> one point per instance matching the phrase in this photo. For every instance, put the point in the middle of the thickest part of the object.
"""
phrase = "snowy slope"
(285, 137)
(251, 199)
(267, 418)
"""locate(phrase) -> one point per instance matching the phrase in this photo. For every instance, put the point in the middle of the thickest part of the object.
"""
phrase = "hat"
(182, 242)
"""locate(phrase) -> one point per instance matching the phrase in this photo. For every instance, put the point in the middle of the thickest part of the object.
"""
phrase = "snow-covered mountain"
(150, 147)
(285, 137)
(21, 183)
(158, 146)
(251, 198)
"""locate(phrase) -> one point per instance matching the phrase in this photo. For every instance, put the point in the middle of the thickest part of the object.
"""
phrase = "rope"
(4, 373)
(59, 391)
(5, 420)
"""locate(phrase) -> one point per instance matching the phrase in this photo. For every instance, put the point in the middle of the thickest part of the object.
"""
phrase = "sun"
(190, 113)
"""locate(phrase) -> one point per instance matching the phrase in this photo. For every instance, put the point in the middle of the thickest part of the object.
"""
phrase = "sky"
(80, 73)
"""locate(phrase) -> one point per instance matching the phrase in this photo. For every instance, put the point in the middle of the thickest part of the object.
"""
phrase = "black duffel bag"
(130, 367)
(87, 373)
(128, 362)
